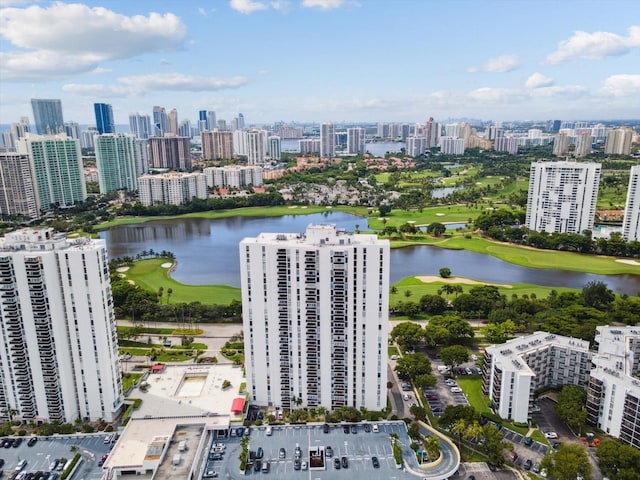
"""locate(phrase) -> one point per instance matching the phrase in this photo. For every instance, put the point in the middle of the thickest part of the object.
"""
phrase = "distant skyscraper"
(216, 145)
(222, 124)
(140, 125)
(86, 138)
(170, 152)
(47, 115)
(172, 121)
(203, 126)
(104, 118)
(72, 129)
(59, 349)
(273, 147)
(584, 143)
(315, 313)
(211, 120)
(506, 144)
(555, 126)
(256, 146)
(240, 121)
(56, 162)
(433, 133)
(452, 145)
(383, 130)
(18, 195)
(327, 140)
(416, 146)
(356, 140)
(631, 222)
(452, 130)
(619, 142)
(309, 146)
(160, 121)
(20, 130)
(184, 129)
(118, 162)
(494, 132)
(560, 144)
(562, 196)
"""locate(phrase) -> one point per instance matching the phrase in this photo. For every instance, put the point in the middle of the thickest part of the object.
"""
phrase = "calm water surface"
(207, 252)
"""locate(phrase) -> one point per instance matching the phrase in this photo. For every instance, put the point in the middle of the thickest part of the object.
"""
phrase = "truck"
(182, 446)
(176, 459)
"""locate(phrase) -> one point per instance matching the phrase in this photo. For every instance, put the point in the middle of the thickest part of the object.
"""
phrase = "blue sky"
(324, 60)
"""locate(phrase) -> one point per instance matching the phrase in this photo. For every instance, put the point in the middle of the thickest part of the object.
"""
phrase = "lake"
(207, 251)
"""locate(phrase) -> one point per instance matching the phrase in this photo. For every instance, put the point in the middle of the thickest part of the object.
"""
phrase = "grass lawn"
(442, 214)
(538, 436)
(472, 387)
(418, 288)
(130, 379)
(151, 276)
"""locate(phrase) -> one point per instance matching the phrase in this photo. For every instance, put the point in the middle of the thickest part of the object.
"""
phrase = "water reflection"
(207, 252)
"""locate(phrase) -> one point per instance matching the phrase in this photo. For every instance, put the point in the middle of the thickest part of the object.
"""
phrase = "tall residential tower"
(315, 313)
(631, 222)
(47, 115)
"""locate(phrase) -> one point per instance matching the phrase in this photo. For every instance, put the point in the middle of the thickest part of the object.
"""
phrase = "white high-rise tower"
(315, 313)
(59, 350)
(562, 196)
(327, 140)
(631, 222)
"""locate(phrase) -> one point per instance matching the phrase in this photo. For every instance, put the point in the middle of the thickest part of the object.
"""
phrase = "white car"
(456, 390)
(551, 435)
(394, 357)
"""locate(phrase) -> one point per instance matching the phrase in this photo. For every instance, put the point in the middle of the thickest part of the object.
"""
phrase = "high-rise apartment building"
(631, 221)
(217, 144)
(140, 125)
(18, 195)
(327, 140)
(416, 146)
(160, 121)
(613, 395)
(584, 144)
(234, 176)
(170, 152)
(562, 196)
(173, 188)
(287, 132)
(356, 140)
(47, 115)
(86, 138)
(104, 118)
(20, 130)
(432, 133)
(72, 129)
(494, 132)
(309, 146)
(172, 122)
(56, 162)
(274, 149)
(452, 145)
(256, 146)
(315, 317)
(118, 161)
(561, 144)
(203, 126)
(506, 144)
(382, 130)
(240, 121)
(59, 351)
(618, 141)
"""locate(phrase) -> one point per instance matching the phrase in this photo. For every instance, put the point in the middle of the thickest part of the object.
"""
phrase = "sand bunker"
(628, 262)
(131, 282)
(466, 281)
(439, 214)
(166, 265)
(122, 269)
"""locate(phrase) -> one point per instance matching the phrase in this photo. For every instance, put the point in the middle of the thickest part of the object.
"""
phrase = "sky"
(324, 60)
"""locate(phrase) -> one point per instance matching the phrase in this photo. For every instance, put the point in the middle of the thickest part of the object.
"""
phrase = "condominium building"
(562, 196)
(172, 122)
(59, 350)
(452, 145)
(619, 141)
(170, 152)
(239, 138)
(382, 130)
(515, 370)
(104, 118)
(118, 161)
(217, 144)
(327, 140)
(356, 140)
(56, 163)
(140, 125)
(287, 132)
(256, 147)
(494, 132)
(584, 144)
(561, 144)
(72, 129)
(309, 146)
(18, 195)
(274, 149)
(235, 176)
(47, 115)
(160, 121)
(315, 317)
(613, 395)
(171, 188)
(631, 221)
(416, 146)
(506, 144)
(432, 133)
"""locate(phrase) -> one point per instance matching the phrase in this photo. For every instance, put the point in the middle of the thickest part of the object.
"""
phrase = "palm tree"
(432, 445)
(459, 428)
(474, 432)
(169, 292)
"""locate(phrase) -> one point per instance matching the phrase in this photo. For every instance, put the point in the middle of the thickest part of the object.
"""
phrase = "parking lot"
(42, 456)
(357, 448)
(447, 391)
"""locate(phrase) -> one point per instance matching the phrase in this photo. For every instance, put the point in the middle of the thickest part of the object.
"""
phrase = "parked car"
(297, 464)
(32, 441)
(551, 435)
(528, 464)
(304, 465)
(367, 427)
(328, 451)
(259, 453)
(376, 463)
(336, 463)
(528, 441)
(536, 467)
(345, 462)
(455, 390)
(210, 474)
(325, 428)
(375, 428)
(282, 453)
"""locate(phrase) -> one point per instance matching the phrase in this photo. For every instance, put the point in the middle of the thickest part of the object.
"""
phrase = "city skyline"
(323, 60)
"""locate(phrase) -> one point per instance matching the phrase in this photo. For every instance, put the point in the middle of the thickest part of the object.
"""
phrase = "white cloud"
(282, 5)
(99, 71)
(66, 39)
(567, 91)
(495, 95)
(99, 90)
(537, 80)
(323, 4)
(595, 46)
(247, 6)
(501, 64)
(621, 85)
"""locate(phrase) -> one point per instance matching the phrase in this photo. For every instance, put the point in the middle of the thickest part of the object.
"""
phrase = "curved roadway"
(439, 470)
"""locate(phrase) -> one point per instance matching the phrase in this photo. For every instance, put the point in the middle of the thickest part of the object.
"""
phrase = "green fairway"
(150, 275)
(442, 214)
(418, 288)
(530, 257)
